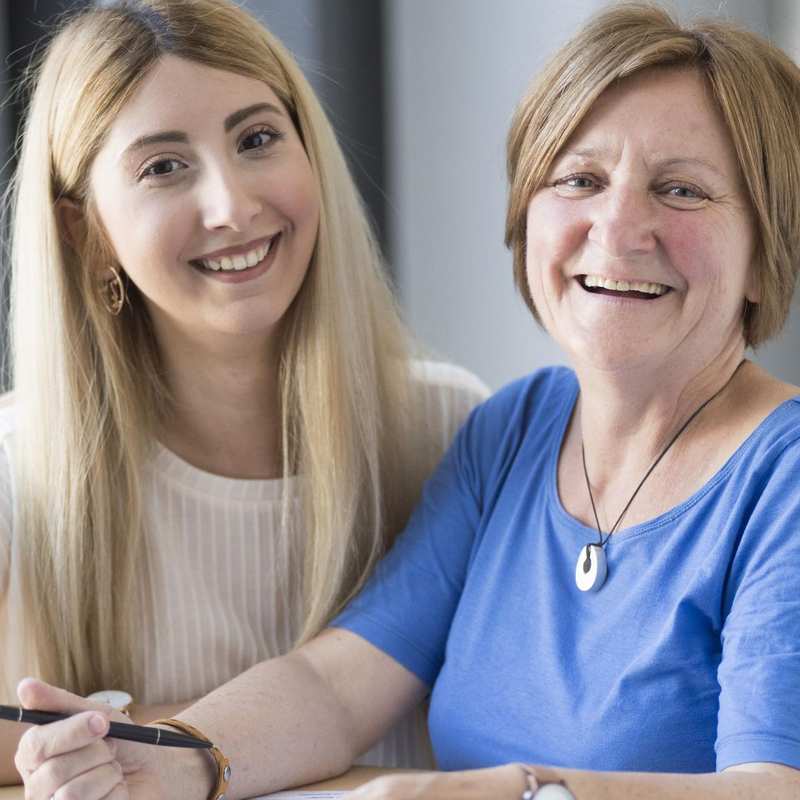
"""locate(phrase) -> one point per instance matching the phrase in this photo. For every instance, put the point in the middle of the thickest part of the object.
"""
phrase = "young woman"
(216, 425)
(589, 630)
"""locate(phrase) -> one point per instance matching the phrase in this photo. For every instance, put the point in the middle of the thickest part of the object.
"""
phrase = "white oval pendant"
(591, 569)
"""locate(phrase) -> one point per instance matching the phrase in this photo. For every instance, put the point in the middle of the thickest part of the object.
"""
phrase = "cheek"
(556, 234)
(692, 252)
(296, 195)
(710, 257)
(158, 233)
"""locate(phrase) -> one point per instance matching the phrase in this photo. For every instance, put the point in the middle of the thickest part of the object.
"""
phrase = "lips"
(236, 258)
(633, 289)
(241, 265)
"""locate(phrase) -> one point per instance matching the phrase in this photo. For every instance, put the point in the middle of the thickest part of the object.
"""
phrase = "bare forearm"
(279, 723)
(141, 715)
(730, 785)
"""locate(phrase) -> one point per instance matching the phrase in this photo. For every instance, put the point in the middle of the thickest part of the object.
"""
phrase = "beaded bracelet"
(533, 785)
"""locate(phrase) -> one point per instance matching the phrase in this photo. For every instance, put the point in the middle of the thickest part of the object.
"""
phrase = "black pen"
(116, 730)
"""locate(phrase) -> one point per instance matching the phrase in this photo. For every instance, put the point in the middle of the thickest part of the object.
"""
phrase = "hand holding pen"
(77, 752)
(116, 730)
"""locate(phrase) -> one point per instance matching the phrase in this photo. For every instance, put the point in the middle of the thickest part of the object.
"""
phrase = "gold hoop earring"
(113, 294)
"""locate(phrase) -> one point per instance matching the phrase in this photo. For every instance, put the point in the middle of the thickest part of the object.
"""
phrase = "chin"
(611, 353)
(258, 324)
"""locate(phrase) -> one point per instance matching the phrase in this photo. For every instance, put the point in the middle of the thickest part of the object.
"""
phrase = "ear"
(752, 288)
(71, 222)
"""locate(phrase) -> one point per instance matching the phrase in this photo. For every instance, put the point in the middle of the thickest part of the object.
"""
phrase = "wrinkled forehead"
(662, 114)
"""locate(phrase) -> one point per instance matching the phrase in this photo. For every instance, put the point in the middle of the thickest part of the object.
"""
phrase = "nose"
(623, 222)
(229, 201)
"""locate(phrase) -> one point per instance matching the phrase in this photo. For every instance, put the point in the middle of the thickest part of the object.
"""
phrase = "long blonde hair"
(89, 388)
(754, 84)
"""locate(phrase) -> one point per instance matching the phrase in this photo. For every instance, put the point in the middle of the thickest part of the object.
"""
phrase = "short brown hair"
(757, 89)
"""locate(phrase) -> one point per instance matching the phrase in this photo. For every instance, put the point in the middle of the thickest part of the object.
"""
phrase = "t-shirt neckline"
(176, 469)
(589, 534)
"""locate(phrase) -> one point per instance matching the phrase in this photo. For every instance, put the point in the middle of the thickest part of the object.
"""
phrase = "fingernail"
(97, 724)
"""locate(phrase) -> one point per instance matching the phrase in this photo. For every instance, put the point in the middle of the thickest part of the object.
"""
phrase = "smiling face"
(639, 245)
(206, 194)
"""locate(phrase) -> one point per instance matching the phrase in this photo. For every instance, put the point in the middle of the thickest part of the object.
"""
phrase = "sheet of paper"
(300, 795)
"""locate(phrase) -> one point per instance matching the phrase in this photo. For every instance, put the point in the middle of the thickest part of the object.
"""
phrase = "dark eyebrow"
(231, 121)
(154, 138)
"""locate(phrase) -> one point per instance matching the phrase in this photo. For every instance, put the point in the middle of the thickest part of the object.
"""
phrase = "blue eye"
(578, 184)
(685, 192)
(258, 139)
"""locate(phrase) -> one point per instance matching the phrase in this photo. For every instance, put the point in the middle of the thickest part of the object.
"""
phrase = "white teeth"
(239, 262)
(624, 286)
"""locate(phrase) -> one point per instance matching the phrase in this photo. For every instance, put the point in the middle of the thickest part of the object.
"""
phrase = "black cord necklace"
(592, 568)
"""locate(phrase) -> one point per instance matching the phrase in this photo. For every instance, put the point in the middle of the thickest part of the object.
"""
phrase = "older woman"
(602, 576)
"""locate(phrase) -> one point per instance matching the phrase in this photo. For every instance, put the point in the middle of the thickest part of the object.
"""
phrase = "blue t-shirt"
(688, 658)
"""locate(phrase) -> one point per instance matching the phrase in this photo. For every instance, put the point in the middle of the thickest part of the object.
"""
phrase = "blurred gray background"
(421, 93)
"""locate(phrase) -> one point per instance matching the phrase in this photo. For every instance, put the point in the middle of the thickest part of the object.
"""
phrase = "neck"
(225, 416)
(626, 418)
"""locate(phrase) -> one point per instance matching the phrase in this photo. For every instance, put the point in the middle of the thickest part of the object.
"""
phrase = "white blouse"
(212, 601)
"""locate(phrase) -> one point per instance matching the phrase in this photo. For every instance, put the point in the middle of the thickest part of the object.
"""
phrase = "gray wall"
(338, 43)
(422, 108)
(456, 70)
(5, 114)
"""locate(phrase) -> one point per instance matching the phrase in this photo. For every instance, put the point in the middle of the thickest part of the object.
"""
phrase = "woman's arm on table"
(745, 782)
(141, 714)
(288, 721)
(301, 718)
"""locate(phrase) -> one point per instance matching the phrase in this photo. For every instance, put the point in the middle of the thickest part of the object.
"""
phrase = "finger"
(93, 785)
(41, 696)
(40, 743)
(60, 770)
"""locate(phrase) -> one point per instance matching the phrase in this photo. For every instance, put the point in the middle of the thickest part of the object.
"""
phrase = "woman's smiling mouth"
(641, 290)
(241, 266)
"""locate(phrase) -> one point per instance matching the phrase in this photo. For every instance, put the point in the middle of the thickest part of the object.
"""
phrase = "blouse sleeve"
(448, 394)
(759, 675)
(407, 606)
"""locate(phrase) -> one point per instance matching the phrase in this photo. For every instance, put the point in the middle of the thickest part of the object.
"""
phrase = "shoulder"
(444, 379)
(760, 491)
(539, 397)
(766, 472)
(443, 395)
(776, 440)
(525, 415)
